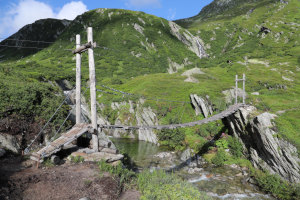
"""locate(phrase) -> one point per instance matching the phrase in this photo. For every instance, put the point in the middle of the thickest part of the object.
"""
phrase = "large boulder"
(146, 117)
(9, 142)
(261, 144)
(201, 105)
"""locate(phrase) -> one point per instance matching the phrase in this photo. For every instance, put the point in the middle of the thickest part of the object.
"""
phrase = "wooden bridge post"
(78, 81)
(244, 91)
(236, 89)
(93, 89)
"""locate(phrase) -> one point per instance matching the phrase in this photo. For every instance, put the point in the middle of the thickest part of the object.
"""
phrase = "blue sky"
(17, 13)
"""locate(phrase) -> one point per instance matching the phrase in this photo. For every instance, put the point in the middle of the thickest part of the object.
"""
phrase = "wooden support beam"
(78, 81)
(93, 89)
(85, 47)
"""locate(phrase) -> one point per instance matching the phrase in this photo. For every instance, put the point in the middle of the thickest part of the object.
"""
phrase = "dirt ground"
(68, 181)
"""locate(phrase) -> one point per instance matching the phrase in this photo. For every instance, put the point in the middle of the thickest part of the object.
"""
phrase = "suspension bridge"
(81, 128)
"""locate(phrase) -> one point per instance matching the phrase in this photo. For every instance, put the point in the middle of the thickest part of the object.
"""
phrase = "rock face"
(146, 117)
(195, 44)
(261, 144)
(201, 105)
(133, 115)
(9, 142)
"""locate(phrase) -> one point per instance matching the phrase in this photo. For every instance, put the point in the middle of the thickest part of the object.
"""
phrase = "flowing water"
(227, 182)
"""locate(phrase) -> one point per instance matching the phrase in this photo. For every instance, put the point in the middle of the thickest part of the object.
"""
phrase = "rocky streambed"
(228, 182)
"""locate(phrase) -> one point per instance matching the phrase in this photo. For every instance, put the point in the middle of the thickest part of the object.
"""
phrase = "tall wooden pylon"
(93, 89)
(78, 82)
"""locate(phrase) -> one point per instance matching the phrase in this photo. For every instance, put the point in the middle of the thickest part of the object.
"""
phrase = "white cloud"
(71, 10)
(28, 11)
(143, 3)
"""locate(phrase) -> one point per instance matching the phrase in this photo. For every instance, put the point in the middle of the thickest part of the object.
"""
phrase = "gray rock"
(105, 142)
(2, 152)
(97, 156)
(195, 44)
(9, 142)
(201, 105)
(185, 155)
(146, 117)
(266, 151)
(109, 150)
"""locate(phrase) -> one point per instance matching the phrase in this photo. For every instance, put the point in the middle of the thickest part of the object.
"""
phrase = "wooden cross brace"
(84, 47)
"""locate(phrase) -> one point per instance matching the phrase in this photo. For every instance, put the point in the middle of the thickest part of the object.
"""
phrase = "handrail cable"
(43, 128)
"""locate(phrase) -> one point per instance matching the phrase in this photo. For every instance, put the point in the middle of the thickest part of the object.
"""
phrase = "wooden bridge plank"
(64, 139)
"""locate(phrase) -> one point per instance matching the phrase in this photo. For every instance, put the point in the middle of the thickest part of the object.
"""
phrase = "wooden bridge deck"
(59, 143)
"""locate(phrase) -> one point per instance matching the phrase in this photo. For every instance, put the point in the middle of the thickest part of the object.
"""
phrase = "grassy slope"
(280, 49)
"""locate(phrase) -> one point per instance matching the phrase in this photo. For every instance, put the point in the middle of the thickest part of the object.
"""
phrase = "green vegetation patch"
(159, 185)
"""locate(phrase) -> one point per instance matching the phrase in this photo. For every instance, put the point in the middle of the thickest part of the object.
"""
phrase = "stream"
(228, 182)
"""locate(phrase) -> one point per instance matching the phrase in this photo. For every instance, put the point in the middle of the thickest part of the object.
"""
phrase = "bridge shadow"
(198, 155)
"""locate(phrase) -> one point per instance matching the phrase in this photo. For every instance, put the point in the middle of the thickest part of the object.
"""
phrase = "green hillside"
(263, 42)
(129, 43)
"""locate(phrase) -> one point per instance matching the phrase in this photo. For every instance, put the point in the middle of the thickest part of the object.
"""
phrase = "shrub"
(222, 143)
(236, 147)
(172, 138)
(77, 159)
(159, 185)
(123, 174)
(220, 158)
(275, 185)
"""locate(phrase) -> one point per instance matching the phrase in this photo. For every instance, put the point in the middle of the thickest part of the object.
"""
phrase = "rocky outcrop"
(146, 117)
(132, 114)
(9, 142)
(201, 105)
(261, 144)
(195, 44)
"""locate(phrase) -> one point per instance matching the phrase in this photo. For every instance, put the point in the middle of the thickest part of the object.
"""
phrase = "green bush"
(125, 175)
(275, 185)
(159, 185)
(236, 147)
(77, 159)
(220, 158)
(222, 143)
(172, 138)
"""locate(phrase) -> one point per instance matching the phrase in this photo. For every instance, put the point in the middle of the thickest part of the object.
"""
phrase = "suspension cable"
(28, 147)
(147, 98)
